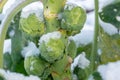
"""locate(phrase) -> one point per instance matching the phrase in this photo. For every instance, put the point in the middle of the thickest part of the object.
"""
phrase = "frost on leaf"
(83, 62)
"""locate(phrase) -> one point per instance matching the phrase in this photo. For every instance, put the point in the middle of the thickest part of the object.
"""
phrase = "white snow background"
(109, 71)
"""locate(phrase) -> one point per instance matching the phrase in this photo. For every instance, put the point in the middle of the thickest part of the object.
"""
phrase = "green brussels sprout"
(35, 66)
(32, 25)
(52, 46)
(73, 18)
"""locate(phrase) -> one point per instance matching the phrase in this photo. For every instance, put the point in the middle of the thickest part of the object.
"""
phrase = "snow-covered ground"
(109, 71)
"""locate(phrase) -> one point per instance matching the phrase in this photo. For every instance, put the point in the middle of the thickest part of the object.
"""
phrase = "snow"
(110, 71)
(108, 28)
(8, 5)
(46, 37)
(33, 8)
(86, 4)
(16, 76)
(118, 18)
(11, 33)
(30, 50)
(70, 5)
(81, 61)
(7, 46)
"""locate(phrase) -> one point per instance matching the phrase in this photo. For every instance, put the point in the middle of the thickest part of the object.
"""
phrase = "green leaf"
(71, 49)
(111, 13)
(97, 76)
(35, 65)
(7, 61)
(110, 48)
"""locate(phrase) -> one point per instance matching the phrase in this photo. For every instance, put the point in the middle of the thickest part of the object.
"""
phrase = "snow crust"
(46, 37)
(16, 76)
(30, 50)
(110, 71)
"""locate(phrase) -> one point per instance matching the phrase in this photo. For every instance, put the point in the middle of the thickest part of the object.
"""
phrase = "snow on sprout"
(16, 76)
(83, 62)
(30, 50)
(46, 37)
(70, 5)
(33, 8)
(110, 71)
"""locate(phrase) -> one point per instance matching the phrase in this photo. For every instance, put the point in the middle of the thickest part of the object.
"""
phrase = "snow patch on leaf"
(108, 28)
(81, 61)
(110, 71)
(30, 50)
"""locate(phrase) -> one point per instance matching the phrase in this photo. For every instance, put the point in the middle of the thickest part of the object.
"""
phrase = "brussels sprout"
(32, 25)
(35, 66)
(73, 18)
(52, 46)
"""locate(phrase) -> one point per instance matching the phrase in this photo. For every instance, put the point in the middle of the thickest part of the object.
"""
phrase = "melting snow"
(30, 50)
(33, 8)
(118, 18)
(7, 46)
(110, 71)
(46, 37)
(16, 76)
(80, 61)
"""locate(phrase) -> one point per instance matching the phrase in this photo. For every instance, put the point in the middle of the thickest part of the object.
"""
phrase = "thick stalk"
(95, 40)
(6, 21)
(51, 10)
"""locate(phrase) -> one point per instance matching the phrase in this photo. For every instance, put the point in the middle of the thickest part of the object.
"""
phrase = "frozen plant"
(44, 47)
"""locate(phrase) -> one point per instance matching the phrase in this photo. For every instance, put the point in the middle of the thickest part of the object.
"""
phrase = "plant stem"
(6, 21)
(95, 40)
